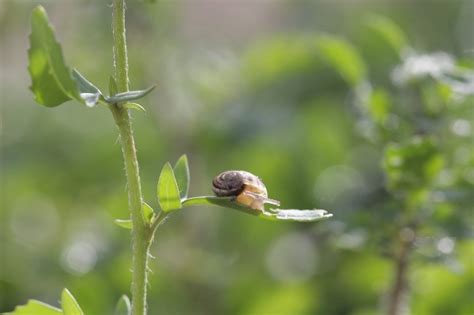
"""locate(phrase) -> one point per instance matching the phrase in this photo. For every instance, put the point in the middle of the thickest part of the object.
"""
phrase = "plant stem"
(141, 238)
(398, 294)
(120, 45)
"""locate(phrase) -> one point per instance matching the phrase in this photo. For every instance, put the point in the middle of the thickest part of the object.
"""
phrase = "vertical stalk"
(397, 298)
(140, 231)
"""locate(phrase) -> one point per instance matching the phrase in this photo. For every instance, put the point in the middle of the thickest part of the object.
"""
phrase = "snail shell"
(247, 189)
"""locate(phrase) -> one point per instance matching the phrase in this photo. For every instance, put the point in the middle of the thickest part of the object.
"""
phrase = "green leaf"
(181, 171)
(300, 215)
(69, 304)
(379, 105)
(412, 165)
(123, 306)
(52, 84)
(128, 96)
(126, 224)
(168, 192)
(225, 202)
(343, 57)
(88, 92)
(34, 307)
(388, 31)
(112, 86)
(274, 59)
(148, 212)
(135, 106)
(273, 214)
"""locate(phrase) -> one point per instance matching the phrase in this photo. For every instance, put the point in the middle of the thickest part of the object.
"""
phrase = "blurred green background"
(364, 108)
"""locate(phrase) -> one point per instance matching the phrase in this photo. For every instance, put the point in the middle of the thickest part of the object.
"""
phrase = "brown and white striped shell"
(247, 188)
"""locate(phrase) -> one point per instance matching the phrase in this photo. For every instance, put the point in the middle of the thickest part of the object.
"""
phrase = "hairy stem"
(141, 239)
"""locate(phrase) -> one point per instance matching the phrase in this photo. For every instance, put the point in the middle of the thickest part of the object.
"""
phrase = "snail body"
(246, 189)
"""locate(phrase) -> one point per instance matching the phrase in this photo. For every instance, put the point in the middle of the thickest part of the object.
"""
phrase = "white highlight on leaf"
(90, 99)
(301, 215)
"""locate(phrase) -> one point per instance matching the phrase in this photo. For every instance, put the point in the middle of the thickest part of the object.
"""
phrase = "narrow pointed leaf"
(148, 212)
(112, 86)
(271, 214)
(181, 172)
(126, 224)
(135, 106)
(34, 307)
(128, 96)
(123, 306)
(69, 304)
(88, 92)
(168, 193)
(52, 84)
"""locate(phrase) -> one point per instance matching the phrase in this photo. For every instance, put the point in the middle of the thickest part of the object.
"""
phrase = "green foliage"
(135, 106)
(286, 56)
(69, 304)
(379, 106)
(53, 83)
(272, 214)
(281, 111)
(412, 165)
(128, 96)
(181, 171)
(148, 212)
(148, 215)
(123, 306)
(170, 190)
(292, 299)
(88, 91)
(126, 224)
(388, 31)
(35, 308)
(343, 57)
(51, 78)
(167, 190)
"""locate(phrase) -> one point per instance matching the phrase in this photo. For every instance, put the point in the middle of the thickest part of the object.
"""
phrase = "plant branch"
(140, 231)
(399, 290)
(160, 218)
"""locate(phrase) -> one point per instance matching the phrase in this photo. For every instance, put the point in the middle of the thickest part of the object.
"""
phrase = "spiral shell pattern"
(232, 183)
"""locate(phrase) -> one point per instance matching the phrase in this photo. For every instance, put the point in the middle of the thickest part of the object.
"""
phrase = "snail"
(245, 188)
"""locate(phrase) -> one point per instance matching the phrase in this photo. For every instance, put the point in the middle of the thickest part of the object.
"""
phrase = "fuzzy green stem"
(141, 238)
(120, 46)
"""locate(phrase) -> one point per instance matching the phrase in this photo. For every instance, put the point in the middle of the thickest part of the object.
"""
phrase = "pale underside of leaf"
(269, 214)
(128, 96)
(88, 92)
(123, 306)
